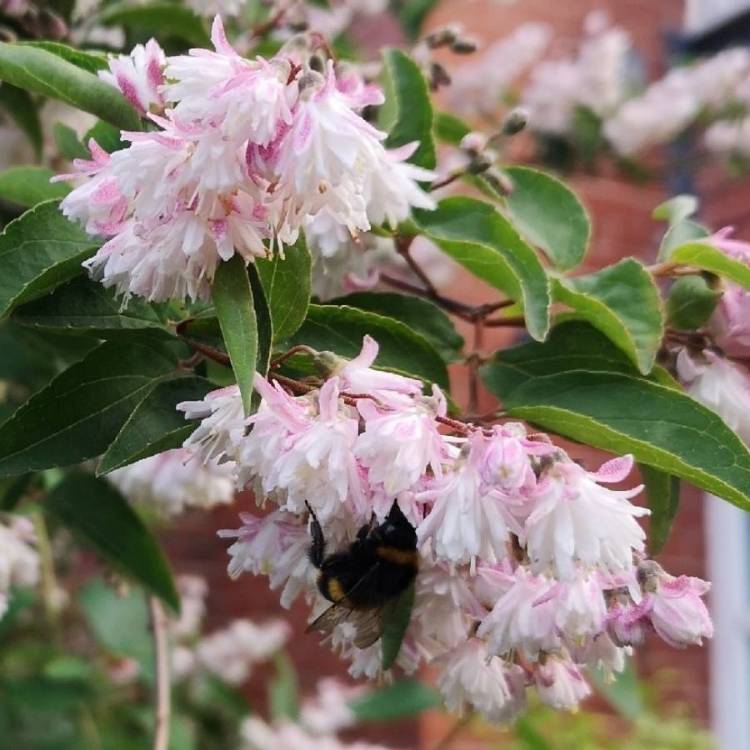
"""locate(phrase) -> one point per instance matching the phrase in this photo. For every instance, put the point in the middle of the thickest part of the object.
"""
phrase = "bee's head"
(396, 531)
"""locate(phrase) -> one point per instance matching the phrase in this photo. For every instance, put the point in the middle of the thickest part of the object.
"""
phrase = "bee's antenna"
(312, 512)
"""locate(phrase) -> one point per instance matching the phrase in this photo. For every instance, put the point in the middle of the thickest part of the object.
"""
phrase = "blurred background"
(705, 688)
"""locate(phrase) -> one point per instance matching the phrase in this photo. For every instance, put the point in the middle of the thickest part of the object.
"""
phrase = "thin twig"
(162, 704)
(463, 311)
(403, 245)
(297, 349)
(510, 322)
(269, 24)
(452, 177)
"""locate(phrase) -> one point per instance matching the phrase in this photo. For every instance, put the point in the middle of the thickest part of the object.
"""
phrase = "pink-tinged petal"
(328, 400)
(615, 470)
(402, 153)
(367, 355)
(219, 39)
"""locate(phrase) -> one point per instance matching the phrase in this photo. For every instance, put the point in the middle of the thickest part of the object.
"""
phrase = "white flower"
(720, 385)
(560, 683)
(19, 560)
(231, 653)
(192, 590)
(314, 463)
(397, 446)
(175, 480)
(222, 424)
(273, 545)
(139, 76)
(675, 606)
(523, 617)
(576, 520)
(471, 678)
(468, 520)
(329, 711)
(211, 8)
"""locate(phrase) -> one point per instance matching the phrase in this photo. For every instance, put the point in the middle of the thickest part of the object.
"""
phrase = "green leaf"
(680, 234)
(549, 215)
(98, 514)
(394, 627)
(287, 286)
(676, 210)
(23, 111)
(68, 143)
(624, 693)
(691, 302)
(421, 315)
(155, 425)
(571, 345)
(480, 239)
(107, 136)
(397, 701)
(38, 251)
(623, 302)
(83, 306)
(166, 19)
(663, 492)
(41, 72)
(659, 425)
(263, 322)
(341, 329)
(412, 15)
(449, 129)
(89, 61)
(28, 186)
(709, 258)
(80, 412)
(120, 623)
(283, 690)
(12, 490)
(233, 300)
(531, 738)
(409, 107)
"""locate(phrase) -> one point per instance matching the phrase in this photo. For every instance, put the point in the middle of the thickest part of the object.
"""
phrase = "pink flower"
(560, 683)
(471, 678)
(139, 76)
(397, 446)
(677, 611)
(523, 617)
(737, 249)
(576, 520)
(272, 545)
(358, 376)
(730, 323)
(720, 385)
(468, 520)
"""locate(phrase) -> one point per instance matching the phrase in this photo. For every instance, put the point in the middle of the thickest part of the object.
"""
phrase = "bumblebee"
(366, 580)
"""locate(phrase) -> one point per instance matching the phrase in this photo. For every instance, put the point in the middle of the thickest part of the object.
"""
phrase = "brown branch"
(510, 322)
(162, 707)
(447, 180)
(208, 351)
(403, 244)
(297, 349)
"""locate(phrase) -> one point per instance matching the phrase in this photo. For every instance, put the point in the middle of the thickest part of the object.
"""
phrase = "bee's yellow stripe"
(398, 556)
(335, 590)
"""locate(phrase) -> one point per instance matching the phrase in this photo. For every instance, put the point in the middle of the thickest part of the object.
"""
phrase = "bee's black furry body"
(378, 566)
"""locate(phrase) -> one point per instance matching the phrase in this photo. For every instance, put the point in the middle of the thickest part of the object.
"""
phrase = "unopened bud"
(480, 163)
(473, 142)
(499, 181)
(515, 121)
(438, 76)
(441, 37)
(464, 46)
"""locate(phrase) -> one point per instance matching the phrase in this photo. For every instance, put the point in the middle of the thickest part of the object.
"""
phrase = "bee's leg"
(317, 551)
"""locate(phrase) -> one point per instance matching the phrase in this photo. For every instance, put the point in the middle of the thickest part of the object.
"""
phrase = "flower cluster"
(244, 154)
(531, 568)
(173, 481)
(19, 560)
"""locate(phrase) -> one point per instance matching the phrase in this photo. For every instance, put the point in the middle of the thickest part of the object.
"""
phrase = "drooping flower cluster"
(245, 154)
(169, 483)
(531, 568)
(19, 560)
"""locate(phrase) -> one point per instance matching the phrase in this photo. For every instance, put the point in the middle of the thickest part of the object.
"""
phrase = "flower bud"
(515, 121)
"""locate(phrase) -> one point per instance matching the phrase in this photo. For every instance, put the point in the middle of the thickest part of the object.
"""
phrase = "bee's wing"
(327, 621)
